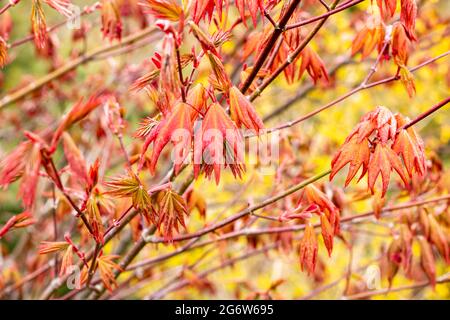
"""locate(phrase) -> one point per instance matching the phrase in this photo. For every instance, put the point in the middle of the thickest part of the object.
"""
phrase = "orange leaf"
(220, 144)
(177, 127)
(353, 152)
(427, 260)
(308, 249)
(382, 162)
(171, 211)
(410, 147)
(242, 111)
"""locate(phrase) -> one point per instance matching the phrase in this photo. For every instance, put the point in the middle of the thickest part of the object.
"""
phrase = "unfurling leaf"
(3, 52)
(67, 260)
(30, 177)
(387, 8)
(220, 144)
(164, 9)
(427, 260)
(111, 21)
(367, 39)
(77, 113)
(177, 127)
(411, 148)
(171, 210)
(20, 220)
(408, 15)
(106, 266)
(13, 165)
(46, 247)
(353, 152)
(327, 233)
(130, 186)
(308, 249)
(62, 6)
(407, 79)
(38, 24)
(242, 111)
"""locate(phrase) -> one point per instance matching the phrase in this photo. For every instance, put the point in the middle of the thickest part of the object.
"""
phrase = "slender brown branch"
(292, 57)
(350, 93)
(269, 45)
(422, 116)
(367, 294)
(325, 15)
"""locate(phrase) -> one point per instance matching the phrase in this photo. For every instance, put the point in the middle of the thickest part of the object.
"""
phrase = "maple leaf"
(242, 111)
(367, 39)
(130, 186)
(353, 152)
(219, 78)
(308, 249)
(380, 121)
(400, 45)
(218, 143)
(410, 147)
(387, 8)
(75, 158)
(62, 6)
(38, 24)
(79, 111)
(408, 14)
(327, 233)
(164, 9)
(106, 266)
(3, 52)
(253, 7)
(13, 165)
(30, 177)
(111, 21)
(95, 205)
(46, 247)
(171, 210)
(20, 220)
(438, 237)
(383, 161)
(427, 260)
(176, 127)
(312, 63)
(197, 100)
(67, 260)
(407, 79)
(146, 127)
(203, 9)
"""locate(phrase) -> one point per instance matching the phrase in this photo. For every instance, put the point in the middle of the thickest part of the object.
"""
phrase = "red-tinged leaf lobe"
(382, 162)
(243, 112)
(308, 249)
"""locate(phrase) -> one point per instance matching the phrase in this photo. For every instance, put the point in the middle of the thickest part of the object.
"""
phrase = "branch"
(325, 15)
(270, 44)
(362, 295)
(350, 93)
(291, 58)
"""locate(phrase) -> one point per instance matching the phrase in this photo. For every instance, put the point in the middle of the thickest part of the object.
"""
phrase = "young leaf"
(242, 111)
(308, 249)
(171, 210)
